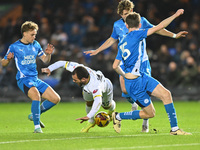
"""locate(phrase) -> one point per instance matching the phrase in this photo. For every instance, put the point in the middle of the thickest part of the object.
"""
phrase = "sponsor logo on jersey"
(95, 91)
(30, 59)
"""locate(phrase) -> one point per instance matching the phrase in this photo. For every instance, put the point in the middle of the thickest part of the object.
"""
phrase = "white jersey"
(98, 85)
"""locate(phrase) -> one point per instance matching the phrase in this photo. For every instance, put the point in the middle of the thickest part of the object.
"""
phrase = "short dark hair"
(133, 20)
(81, 72)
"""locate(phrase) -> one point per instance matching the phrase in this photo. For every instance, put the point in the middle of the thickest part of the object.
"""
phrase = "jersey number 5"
(125, 52)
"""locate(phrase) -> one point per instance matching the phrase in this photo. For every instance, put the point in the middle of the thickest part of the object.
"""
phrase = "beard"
(80, 84)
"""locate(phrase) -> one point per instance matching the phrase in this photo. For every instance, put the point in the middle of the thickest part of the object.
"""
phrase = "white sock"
(145, 122)
(118, 117)
(37, 126)
(174, 128)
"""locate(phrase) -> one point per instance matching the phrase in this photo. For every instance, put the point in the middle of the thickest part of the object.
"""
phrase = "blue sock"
(46, 105)
(171, 114)
(35, 109)
(130, 115)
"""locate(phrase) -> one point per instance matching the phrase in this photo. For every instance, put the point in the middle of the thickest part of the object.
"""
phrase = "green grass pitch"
(63, 131)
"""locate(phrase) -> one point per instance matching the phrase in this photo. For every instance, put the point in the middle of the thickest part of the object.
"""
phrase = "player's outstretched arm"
(181, 34)
(5, 62)
(83, 119)
(53, 67)
(165, 22)
(48, 51)
(165, 32)
(110, 41)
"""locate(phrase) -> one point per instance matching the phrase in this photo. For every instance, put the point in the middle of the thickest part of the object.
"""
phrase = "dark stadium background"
(74, 26)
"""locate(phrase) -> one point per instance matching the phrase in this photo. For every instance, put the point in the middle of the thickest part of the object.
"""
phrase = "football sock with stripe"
(145, 122)
(35, 109)
(130, 115)
(172, 115)
(46, 105)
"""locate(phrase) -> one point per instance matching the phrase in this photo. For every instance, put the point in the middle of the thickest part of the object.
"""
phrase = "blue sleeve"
(114, 34)
(119, 55)
(141, 34)
(145, 23)
(10, 50)
(38, 48)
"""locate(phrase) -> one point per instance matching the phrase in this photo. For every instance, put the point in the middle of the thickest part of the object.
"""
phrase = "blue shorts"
(146, 68)
(26, 83)
(141, 88)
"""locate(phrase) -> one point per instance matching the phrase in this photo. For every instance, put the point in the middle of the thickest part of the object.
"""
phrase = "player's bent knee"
(166, 95)
(34, 96)
(57, 99)
(152, 115)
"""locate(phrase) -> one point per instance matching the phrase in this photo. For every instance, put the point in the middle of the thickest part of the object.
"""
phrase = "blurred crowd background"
(74, 26)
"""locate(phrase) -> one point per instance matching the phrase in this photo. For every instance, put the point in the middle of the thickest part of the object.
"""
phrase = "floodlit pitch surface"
(63, 131)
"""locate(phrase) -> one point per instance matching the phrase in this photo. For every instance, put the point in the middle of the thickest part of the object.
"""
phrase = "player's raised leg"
(52, 98)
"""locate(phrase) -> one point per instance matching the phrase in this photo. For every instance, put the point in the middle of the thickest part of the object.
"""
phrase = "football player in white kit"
(97, 90)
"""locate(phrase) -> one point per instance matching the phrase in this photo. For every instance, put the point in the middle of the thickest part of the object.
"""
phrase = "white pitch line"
(74, 138)
(143, 147)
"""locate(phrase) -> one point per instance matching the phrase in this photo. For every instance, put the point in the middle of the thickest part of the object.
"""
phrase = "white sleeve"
(57, 65)
(70, 66)
(95, 107)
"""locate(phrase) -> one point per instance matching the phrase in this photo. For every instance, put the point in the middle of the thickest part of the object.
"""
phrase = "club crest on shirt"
(95, 91)
(146, 101)
(30, 83)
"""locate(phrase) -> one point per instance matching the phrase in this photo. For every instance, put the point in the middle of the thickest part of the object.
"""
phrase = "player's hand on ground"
(10, 56)
(83, 119)
(49, 49)
(179, 12)
(91, 52)
(181, 34)
(47, 71)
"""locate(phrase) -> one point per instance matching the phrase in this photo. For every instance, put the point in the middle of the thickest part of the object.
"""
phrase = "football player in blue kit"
(25, 51)
(138, 84)
(119, 30)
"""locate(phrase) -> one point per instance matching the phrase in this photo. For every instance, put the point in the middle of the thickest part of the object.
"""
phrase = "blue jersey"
(25, 58)
(131, 48)
(120, 30)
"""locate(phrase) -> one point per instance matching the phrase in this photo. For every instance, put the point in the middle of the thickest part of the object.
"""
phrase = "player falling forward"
(25, 51)
(119, 30)
(97, 90)
(138, 84)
